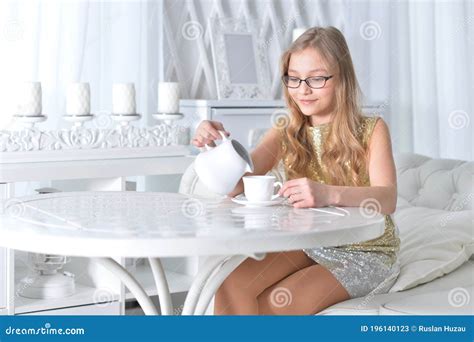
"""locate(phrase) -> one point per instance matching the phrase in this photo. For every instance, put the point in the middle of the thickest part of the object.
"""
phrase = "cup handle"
(275, 185)
(224, 138)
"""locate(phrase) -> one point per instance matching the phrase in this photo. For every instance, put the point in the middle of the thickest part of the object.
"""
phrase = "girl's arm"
(265, 156)
(381, 195)
(382, 192)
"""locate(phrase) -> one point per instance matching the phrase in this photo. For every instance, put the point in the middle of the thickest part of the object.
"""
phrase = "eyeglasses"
(316, 82)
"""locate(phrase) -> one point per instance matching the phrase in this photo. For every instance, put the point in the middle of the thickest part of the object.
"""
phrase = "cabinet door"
(3, 278)
(241, 122)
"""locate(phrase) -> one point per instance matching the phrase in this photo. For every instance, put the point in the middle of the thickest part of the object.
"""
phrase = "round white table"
(103, 225)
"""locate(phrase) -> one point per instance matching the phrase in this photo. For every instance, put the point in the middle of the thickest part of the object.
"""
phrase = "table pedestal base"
(206, 283)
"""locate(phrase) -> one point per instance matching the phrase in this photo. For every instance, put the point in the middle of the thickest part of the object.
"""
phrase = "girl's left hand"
(305, 193)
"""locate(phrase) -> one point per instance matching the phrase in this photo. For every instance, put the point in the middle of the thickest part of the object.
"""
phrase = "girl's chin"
(309, 112)
(314, 110)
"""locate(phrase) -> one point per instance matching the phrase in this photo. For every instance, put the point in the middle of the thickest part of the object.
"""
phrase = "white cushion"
(456, 301)
(434, 217)
(445, 184)
(433, 243)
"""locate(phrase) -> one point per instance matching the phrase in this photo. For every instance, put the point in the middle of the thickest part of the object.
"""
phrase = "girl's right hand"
(207, 132)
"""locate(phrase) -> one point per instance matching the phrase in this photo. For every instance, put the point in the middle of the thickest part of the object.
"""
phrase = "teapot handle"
(224, 138)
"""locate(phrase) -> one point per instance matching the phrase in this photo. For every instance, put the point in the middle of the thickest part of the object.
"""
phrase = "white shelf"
(177, 282)
(84, 296)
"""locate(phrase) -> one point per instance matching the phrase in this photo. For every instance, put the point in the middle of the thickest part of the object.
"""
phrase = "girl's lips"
(307, 102)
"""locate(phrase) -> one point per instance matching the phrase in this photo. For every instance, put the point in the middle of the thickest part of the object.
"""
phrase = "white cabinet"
(239, 117)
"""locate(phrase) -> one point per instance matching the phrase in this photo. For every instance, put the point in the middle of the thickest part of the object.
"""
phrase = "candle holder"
(78, 120)
(125, 119)
(179, 134)
(29, 121)
(168, 118)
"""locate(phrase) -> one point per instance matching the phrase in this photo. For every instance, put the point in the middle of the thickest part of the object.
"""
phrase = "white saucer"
(240, 199)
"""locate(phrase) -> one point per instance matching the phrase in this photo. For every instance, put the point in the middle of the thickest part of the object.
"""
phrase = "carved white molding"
(33, 139)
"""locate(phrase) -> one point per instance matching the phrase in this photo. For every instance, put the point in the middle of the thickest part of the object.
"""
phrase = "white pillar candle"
(29, 101)
(123, 98)
(168, 97)
(78, 101)
(298, 32)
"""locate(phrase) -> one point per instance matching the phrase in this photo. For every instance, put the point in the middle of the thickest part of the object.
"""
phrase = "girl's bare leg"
(238, 294)
(305, 292)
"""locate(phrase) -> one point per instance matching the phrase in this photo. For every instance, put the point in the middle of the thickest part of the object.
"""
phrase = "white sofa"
(435, 220)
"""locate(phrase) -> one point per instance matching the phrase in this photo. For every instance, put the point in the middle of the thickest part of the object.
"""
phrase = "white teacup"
(260, 188)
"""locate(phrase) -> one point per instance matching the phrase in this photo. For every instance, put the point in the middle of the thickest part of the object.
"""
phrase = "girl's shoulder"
(366, 127)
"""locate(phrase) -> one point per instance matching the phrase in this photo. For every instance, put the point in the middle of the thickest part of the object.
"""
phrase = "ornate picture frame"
(240, 63)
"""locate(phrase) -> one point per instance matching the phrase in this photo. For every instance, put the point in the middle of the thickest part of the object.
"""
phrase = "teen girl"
(333, 155)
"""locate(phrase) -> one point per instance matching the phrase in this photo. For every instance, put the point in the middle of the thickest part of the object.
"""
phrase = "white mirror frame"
(259, 87)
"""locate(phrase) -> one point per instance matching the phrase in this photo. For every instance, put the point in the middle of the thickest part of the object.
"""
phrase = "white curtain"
(432, 77)
(58, 42)
(416, 59)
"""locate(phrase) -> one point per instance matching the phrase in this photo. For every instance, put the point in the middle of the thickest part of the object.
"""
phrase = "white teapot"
(220, 168)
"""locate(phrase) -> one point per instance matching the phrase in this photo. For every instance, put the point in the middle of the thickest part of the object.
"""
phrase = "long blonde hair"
(343, 155)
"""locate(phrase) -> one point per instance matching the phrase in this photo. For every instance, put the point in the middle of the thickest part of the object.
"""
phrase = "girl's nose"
(304, 89)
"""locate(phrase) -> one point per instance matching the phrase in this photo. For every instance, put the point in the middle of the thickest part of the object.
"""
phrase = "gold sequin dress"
(366, 267)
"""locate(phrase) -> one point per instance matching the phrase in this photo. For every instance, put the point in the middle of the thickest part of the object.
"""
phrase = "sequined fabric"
(365, 266)
(361, 273)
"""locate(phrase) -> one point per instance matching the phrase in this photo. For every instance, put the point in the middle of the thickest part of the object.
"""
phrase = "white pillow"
(433, 243)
